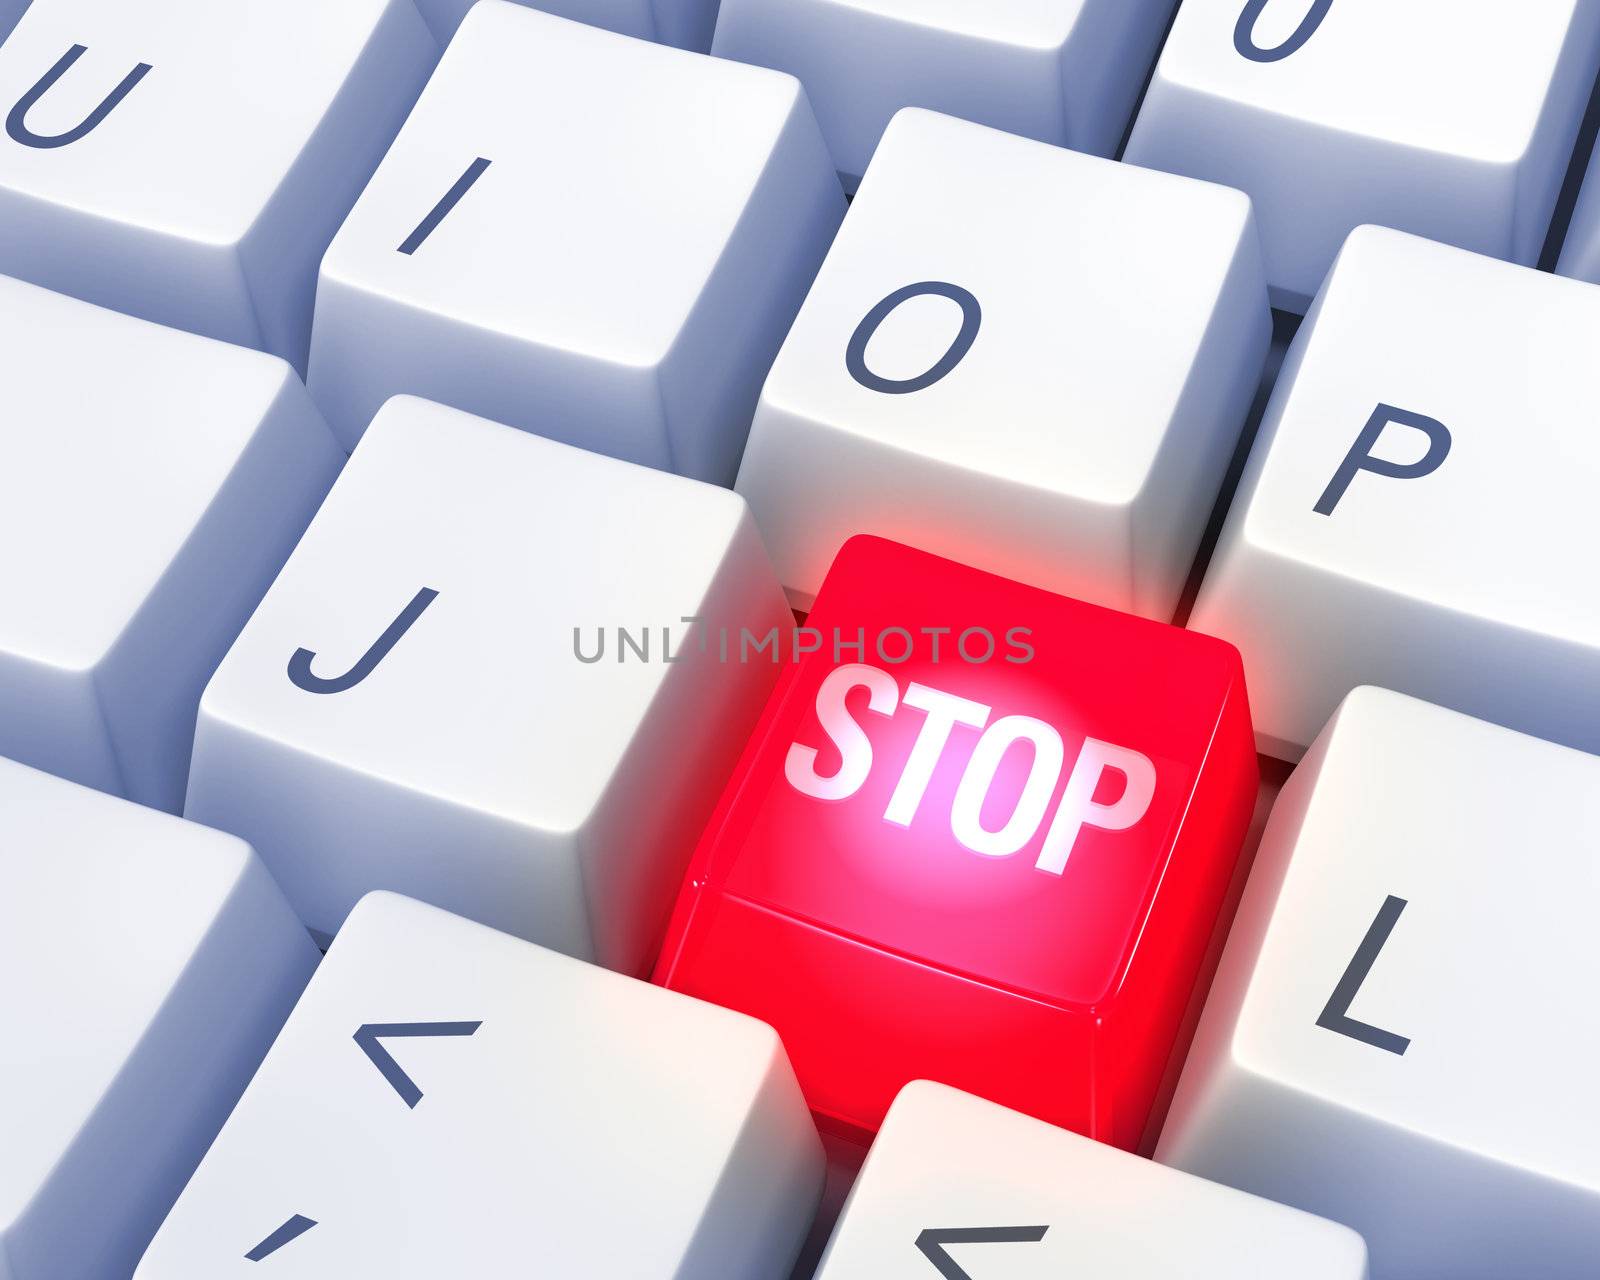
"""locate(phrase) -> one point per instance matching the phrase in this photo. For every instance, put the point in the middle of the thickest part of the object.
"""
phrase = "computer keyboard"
(799, 639)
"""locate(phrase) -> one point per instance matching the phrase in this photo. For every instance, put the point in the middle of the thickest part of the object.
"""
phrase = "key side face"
(956, 1181)
(1067, 73)
(909, 898)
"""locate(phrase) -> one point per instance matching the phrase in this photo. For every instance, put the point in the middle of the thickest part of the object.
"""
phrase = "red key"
(989, 847)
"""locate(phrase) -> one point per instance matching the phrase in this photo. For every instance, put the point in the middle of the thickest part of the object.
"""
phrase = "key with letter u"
(145, 965)
(188, 161)
(500, 674)
(450, 1101)
(1452, 119)
(636, 314)
(1403, 1032)
(1418, 510)
(962, 1188)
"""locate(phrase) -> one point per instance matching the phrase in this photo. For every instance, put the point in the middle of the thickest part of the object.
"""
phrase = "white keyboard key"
(188, 161)
(1062, 71)
(685, 24)
(408, 709)
(583, 235)
(958, 1186)
(995, 362)
(1403, 1032)
(151, 484)
(1453, 119)
(1580, 254)
(1418, 511)
(145, 966)
(450, 1101)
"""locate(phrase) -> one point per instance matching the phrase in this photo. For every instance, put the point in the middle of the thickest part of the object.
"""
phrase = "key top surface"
(1418, 507)
(189, 161)
(1452, 119)
(959, 1187)
(1061, 71)
(448, 1100)
(980, 378)
(1401, 1034)
(434, 695)
(145, 965)
(904, 896)
(151, 483)
(636, 314)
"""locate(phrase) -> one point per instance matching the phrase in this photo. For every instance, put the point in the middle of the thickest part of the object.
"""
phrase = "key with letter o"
(636, 314)
(450, 1101)
(1452, 119)
(188, 161)
(980, 377)
(146, 963)
(1419, 506)
(500, 674)
(152, 482)
(1062, 71)
(982, 834)
(1403, 1031)
(959, 1187)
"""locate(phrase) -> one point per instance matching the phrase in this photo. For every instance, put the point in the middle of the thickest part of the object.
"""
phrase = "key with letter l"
(1418, 511)
(635, 315)
(1452, 119)
(982, 834)
(151, 484)
(450, 1101)
(1066, 72)
(956, 1186)
(145, 965)
(1403, 1030)
(436, 695)
(188, 161)
(980, 378)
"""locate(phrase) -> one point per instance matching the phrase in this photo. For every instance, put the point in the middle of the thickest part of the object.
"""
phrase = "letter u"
(17, 121)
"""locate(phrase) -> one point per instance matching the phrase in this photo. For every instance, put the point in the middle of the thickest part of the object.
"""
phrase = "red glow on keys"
(998, 870)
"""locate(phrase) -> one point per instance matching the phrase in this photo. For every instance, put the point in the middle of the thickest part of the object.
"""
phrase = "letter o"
(855, 356)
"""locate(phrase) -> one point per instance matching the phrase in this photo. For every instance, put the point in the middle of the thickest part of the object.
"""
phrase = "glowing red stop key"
(982, 835)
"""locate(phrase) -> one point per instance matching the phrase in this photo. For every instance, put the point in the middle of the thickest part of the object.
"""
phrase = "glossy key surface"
(1000, 870)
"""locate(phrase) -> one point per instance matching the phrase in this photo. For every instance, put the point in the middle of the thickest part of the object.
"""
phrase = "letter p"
(1360, 457)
